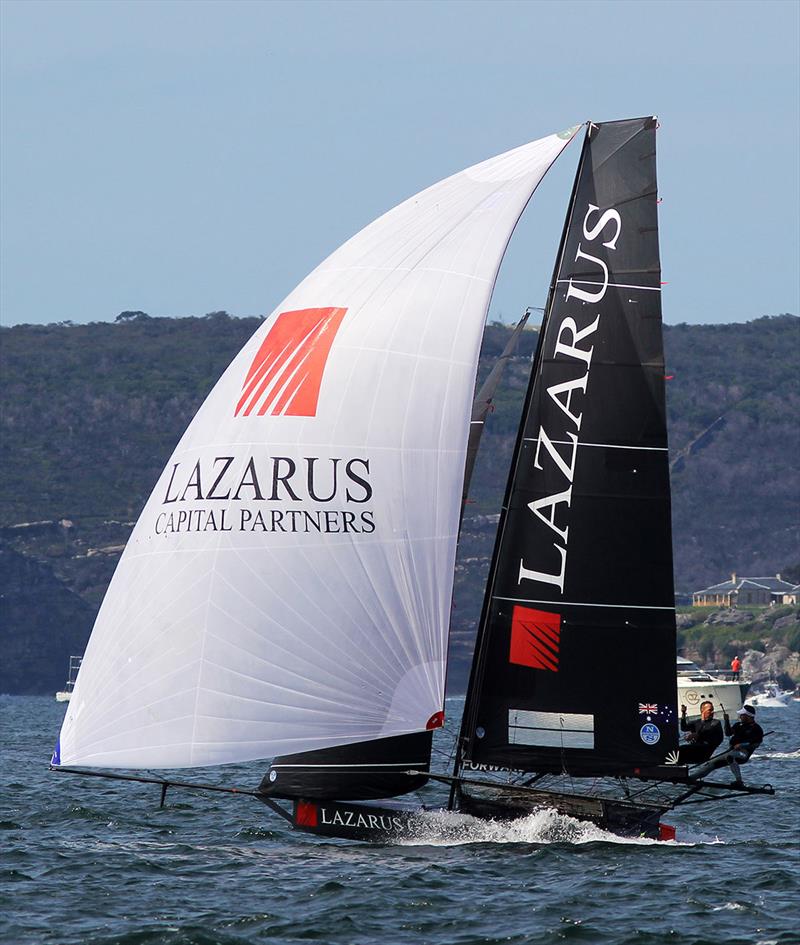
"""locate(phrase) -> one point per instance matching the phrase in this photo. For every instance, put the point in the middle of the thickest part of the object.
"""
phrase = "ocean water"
(89, 861)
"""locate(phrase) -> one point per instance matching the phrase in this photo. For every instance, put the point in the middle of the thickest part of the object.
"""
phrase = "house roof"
(766, 583)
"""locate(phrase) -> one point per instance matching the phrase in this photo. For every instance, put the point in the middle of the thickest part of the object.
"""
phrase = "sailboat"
(65, 694)
(285, 595)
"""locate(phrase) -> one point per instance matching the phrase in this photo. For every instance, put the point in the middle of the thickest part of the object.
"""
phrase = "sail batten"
(287, 586)
(582, 603)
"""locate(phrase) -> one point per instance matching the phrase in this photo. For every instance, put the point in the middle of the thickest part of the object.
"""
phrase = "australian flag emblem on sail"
(648, 708)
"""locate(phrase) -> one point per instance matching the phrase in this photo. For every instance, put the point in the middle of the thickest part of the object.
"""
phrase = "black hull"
(372, 824)
(364, 822)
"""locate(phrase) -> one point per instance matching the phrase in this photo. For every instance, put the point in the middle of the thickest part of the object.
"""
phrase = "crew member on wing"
(703, 736)
(746, 734)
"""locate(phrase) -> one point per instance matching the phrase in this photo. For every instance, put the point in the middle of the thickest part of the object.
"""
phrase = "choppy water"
(97, 862)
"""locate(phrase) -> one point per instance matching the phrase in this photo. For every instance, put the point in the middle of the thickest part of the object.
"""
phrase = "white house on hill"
(760, 591)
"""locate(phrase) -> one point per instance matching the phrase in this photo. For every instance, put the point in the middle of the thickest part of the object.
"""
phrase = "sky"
(181, 158)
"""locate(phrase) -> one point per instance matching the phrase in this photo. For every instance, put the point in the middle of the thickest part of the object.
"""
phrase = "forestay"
(287, 586)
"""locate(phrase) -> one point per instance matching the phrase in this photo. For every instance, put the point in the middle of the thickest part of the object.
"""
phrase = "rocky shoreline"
(767, 640)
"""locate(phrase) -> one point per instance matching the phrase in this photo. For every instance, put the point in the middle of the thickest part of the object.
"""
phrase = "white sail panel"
(287, 586)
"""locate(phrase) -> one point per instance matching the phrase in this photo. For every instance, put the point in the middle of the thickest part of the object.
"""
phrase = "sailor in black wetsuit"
(746, 734)
(704, 736)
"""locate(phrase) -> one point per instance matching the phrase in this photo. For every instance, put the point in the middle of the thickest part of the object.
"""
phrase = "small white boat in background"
(66, 692)
(772, 697)
(696, 686)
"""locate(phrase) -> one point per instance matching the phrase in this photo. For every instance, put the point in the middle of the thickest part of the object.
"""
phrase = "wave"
(777, 755)
(449, 828)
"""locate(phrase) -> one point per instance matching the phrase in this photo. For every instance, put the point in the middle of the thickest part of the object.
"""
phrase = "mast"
(483, 403)
(574, 662)
(476, 669)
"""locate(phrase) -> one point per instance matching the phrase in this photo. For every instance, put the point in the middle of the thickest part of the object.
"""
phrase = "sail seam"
(613, 285)
(575, 603)
(345, 540)
(348, 446)
(610, 446)
(366, 764)
(446, 272)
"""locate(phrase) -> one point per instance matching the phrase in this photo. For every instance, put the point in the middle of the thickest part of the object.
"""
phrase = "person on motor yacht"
(704, 735)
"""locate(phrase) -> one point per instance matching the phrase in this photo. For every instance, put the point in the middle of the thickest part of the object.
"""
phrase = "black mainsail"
(574, 666)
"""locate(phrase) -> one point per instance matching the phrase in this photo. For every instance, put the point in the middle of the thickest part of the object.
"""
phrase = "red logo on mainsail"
(535, 636)
(286, 373)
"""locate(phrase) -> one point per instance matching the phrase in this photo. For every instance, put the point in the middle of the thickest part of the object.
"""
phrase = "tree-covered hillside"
(91, 413)
(736, 491)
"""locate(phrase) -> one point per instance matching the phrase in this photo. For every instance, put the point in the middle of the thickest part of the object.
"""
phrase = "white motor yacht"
(697, 685)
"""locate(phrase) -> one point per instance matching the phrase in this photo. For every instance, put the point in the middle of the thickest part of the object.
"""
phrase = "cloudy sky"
(185, 157)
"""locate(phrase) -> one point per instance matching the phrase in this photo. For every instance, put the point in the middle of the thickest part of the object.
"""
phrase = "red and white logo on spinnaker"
(285, 376)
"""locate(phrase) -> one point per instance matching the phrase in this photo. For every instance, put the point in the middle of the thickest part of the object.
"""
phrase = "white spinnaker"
(247, 628)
